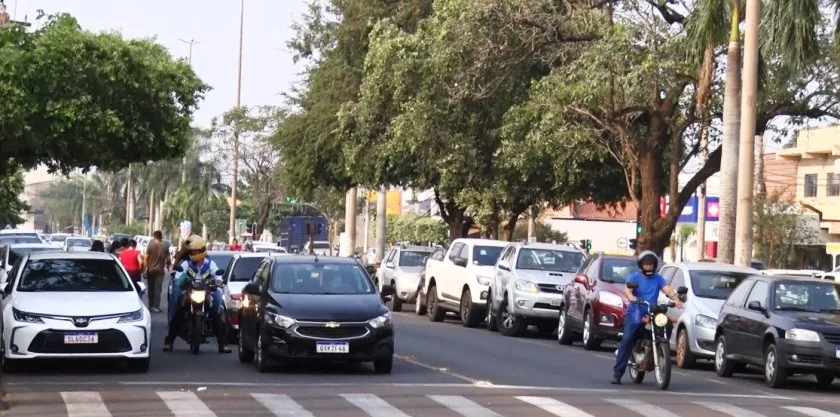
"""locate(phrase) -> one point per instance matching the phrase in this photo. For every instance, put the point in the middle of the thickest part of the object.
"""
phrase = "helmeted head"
(197, 248)
(647, 261)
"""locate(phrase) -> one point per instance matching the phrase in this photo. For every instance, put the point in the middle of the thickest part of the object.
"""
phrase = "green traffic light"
(639, 229)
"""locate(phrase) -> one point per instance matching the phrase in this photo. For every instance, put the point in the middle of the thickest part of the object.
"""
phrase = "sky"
(267, 67)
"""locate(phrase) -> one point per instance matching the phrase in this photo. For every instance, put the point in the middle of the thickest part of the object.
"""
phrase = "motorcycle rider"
(197, 267)
(650, 283)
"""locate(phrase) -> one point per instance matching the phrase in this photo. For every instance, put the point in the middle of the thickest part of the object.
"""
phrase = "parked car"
(238, 273)
(325, 309)
(401, 270)
(527, 286)
(9, 254)
(784, 324)
(419, 297)
(77, 244)
(708, 286)
(73, 305)
(593, 304)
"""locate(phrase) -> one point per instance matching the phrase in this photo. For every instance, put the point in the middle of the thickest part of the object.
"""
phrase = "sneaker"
(616, 381)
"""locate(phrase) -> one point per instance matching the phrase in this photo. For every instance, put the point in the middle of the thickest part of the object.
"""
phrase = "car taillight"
(234, 319)
(237, 297)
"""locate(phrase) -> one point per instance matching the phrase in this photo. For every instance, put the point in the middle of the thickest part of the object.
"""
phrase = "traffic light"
(633, 243)
(588, 244)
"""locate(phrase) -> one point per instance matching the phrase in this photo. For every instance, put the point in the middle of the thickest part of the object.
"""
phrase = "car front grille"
(832, 338)
(550, 288)
(341, 332)
(52, 341)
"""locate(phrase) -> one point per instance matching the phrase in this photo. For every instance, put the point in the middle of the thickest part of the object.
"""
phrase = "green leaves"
(10, 207)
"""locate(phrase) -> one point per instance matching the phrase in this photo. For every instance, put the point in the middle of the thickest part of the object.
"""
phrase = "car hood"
(77, 303)
(316, 307)
(545, 277)
(828, 322)
(236, 287)
(708, 306)
(616, 288)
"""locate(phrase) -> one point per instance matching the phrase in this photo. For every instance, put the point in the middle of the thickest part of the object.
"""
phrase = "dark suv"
(594, 303)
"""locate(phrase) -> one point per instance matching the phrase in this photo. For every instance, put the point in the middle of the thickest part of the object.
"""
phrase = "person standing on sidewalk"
(157, 258)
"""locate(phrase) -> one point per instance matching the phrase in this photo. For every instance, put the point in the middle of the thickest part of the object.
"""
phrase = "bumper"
(809, 357)
(291, 344)
(407, 288)
(539, 305)
(609, 322)
(702, 341)
(47, 340)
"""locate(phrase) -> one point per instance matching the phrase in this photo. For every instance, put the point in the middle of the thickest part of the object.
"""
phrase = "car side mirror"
(462, 262)
(633, 285)
(682, 290)
(251, 288)
(220, 272)
(140, 287)
(504, 266)
(755, 306)
(389, 265)
(5, 288)
(581, 279)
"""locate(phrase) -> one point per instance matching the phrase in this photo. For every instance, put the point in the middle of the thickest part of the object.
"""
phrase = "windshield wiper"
(829, 310)
(793, 308)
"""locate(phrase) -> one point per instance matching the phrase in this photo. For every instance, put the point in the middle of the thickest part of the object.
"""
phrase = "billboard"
(690, 211)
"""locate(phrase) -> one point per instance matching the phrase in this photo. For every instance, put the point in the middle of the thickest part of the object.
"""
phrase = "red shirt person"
(234, 246)
(130, 258)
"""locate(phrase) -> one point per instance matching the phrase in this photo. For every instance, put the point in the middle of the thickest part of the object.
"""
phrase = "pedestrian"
(234, 246)
(131, 259)
(97, 246)
(115, 247)
(156, 260)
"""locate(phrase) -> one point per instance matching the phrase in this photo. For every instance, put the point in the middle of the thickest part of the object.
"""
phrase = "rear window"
(10, 239)
(486, 255)
(245, 268)
(222, 261)
(73, 275)
(17, 253)
(412, 258)
(715, 284)
(617, 270)
(79, 242)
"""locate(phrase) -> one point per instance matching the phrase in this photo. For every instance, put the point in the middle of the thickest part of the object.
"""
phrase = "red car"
(594, 303)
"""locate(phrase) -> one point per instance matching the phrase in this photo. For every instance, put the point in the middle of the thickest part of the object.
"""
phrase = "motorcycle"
(652, 350)
(198, 322)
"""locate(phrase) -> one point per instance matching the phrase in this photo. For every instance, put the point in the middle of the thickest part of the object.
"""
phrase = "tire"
(196, 335)
(419, 306)
(246, 355)
(490, 318)
(469, 314)
(140, 365)
(510, 328)
(384, 365)
(663, 371)
(685, 359)
(774, 375)
(259, 355)
(723, 367)
(590, 342)
(824, 380)
(433, 310)
(636, 376)
(396, 303)
(564, 334)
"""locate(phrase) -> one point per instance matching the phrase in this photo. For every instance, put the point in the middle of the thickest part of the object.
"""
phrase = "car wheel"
(774, 375)
(434, 311)
(685, 359)
(384, 365)
(490, 319)
(246, 355)
(590, 342)
(9, 366)
(509, 324)
(419, 306)
(564, 335)
(824, 380)
(396, 303)
(723, 366)
(469, 314)
(141, 365)
(259, 354)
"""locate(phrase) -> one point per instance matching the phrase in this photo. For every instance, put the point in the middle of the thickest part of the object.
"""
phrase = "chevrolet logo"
(332, 325)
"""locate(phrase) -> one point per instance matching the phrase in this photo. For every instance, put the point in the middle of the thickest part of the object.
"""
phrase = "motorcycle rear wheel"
(663, 369)
(636, 375)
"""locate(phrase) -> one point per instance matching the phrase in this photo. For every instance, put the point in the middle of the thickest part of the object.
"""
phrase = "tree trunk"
(654, 235)
(760, 185)
(456, 225)
(704, 90)
(151, 210)
(730, 151)
(510, 227)
(129, 194)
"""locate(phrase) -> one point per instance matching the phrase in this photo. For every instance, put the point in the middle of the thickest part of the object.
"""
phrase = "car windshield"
(17, 253)
(412, 258)
(222, 260)
(715, 284)
(320, 278)
(549, 260)
(245, 268)
(10, 239)
(807, 296)
(617, 270)
(486, 255)
(79, 242)
(76, 275)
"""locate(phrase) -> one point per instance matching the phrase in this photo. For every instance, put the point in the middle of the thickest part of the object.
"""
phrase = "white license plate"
(555, 302)
(837, 352)
(81, 339)
(332, 347)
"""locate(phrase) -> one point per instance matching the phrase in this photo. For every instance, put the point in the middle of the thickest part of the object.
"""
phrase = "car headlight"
(381, 321)
(526, 286)
(198, 296)
(279, 320)
(705, 321)
(610, 299)
(25, 317)
(485, 281)
(130, 317)
(660, 320)
(802, 335)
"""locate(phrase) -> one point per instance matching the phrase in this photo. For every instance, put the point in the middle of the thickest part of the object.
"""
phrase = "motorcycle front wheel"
(663, 367)
(196, 334)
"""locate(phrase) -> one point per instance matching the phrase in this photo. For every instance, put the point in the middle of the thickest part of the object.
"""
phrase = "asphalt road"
(443, 369)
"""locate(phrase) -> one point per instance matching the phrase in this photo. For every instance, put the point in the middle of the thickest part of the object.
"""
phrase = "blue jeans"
(628, 339)
(175, 297)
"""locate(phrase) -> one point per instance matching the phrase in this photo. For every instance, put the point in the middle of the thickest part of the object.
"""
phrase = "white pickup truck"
(459, 282)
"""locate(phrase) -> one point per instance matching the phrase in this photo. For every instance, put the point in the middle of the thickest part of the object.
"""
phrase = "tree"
(416, 229)
(779, 228)
(10, 207)
(543, 233)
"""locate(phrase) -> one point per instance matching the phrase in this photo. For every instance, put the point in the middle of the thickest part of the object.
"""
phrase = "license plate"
(332, 347)
(837, 352)
(81, 339)
(555, 302)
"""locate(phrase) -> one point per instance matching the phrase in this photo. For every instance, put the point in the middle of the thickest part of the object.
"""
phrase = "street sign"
(622, 242)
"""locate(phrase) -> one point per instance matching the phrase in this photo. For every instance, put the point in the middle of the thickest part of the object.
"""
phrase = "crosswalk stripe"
(84, 404)
(555, 407)
(643, 408)
(729, 409)
(185, 404)
(463, 406)
(373, 405)
(813, 412)
(282, 405)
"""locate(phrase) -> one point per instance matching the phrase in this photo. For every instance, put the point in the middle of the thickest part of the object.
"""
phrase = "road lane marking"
(729, 409)
(812, 412)
(643, 408)
(185, 404)
(84, 404)
(555, 407)
(373, 405)
(282, 405)
(463, 406)
(439, 369)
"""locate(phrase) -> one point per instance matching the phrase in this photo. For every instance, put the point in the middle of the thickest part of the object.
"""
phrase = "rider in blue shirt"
(650, 283)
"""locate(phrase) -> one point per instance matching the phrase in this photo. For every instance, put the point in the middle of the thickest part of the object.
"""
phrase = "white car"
(77, 244)
(238, 273)
(73, 305)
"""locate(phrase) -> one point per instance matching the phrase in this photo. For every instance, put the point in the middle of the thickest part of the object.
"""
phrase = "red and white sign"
(713, 209)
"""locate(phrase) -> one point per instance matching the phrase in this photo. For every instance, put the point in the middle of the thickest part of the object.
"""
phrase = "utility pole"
(746, 157)
(381, 222)
(236, 132)
(366, 237)
(701, 199)
(84, 202)
(350, 222)
(191, 42)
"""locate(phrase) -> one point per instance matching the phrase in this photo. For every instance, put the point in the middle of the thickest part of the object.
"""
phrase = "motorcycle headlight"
(279, 320)
(660, 320)
(25, 317)
(802, 335)
(198, 296)
(705, 321)
(610, 299)
(131, 317)
(526, 286)
(485, 281)
(381, 321)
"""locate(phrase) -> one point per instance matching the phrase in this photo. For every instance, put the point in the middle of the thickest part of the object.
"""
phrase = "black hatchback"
(787, 325)
(323, 309)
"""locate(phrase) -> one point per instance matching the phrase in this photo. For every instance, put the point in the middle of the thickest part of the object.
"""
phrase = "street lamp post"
(236, 133)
